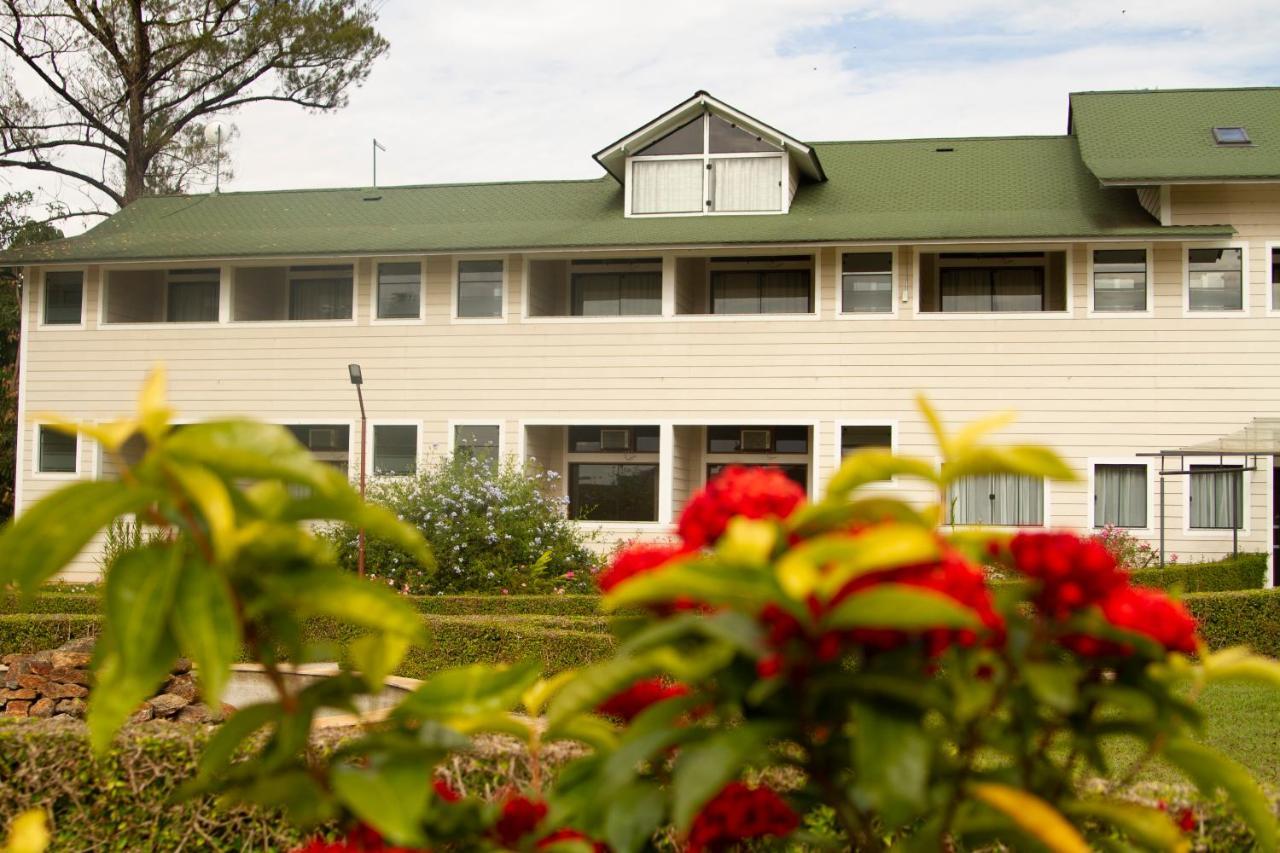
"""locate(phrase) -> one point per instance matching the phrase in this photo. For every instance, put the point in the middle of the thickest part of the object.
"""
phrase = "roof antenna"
(377, 146)
(213, 136)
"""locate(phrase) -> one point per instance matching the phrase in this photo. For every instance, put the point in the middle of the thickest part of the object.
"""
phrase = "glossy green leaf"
(1022, 460)
(700, 579)
(206, 627)
(633, 817)
(1239, 664)
(211, 497)
(703, 769)
(597, 683)
(1054, 684)
(892, 606)
(375, 656)
(892, 756)
(391, 797)
(590, 729)
(1033, 816)
(475, 689)
(1150, 827)
(243, 449)
(833, 515)
(325, 591)
(1210, 770)
(378, 522)
(227, 738)
(875, 465)
(885, 546)
(40, 542)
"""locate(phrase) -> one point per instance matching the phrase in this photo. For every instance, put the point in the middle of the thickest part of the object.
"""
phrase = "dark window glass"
(1230, 136)
(608, 492)
(761, 292)
(858, 437)
(686, 139)
(480, 288)
(57, 452)
(395, 449)
(867, 283)
(1217, 498)
(723, 439)
(613, 439)
(798, 474)
(1275, 279)
(617, 294)
(727, 138)
(329, 443)
(63, 297)
(983, 289)
(781, 439)
(1214, 280)
(791, 439)
(193, 296)
(478, 442)
(399, 291)
(646, 439)
(1120, 280)
(321, 292)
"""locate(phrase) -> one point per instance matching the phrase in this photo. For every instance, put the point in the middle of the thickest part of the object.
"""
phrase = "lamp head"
(357, 378)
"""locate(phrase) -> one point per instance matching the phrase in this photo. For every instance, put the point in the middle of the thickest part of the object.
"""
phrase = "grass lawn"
(1243, 722)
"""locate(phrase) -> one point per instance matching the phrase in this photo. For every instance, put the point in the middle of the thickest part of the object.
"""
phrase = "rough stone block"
(167, 704)
(16, 708)
(41, 708)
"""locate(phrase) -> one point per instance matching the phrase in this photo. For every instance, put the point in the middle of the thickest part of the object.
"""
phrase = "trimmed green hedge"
(1246, 617)
(52, 602)
(1247, 571)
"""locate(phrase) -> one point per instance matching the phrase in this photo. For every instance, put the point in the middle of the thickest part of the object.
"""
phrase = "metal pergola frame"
(1184, 470)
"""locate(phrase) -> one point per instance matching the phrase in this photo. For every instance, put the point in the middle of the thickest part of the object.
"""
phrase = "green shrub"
(490, 527)
(1250, 618)
(31, 632)
(51, 602)
(1247, 571)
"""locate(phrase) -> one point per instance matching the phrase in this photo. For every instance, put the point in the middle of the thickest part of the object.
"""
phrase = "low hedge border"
(1240, 618)
(1246, 571)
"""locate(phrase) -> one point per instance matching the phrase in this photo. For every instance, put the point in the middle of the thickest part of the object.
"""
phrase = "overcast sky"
(491, 91)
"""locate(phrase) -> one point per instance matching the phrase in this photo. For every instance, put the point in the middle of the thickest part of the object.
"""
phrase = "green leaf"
(892, 754)
(227, 738)
(211, 496)
(377, 522)
(244, 449)
(1210, 770)
(391, 797)
(1033, 816)
(843, 558)
(594, 731)
(875, 465)
(205, 625)
(41, 541)
(633, 817)
(326, 591)
(1023, 460)
(597, 683)
(704, 579)
(375, 656)
(703, 769)
(892, 606)
(1149, 827)
(1054, 684)
(467, 690)
(833, 514)
(1239, 664)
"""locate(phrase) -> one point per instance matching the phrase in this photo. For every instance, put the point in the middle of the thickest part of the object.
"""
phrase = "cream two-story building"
(728, 293)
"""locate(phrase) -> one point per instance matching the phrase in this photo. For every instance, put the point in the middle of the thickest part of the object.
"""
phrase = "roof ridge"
(1201, 89)
(942, 139)
(422, 186)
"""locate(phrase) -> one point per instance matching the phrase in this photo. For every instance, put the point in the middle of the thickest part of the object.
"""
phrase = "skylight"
(1230, 136)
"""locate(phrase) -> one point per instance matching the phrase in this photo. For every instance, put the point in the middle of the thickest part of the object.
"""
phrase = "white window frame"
(224, 296)
(1246, 511)
(84, 299)
(1149, 248)
(374, 319)
(229, 282)
(784, 195)
(1148, 529)
(1273, 309)
(668, 282)
(1245, 295)
(895, 285)
(373, 447)
(453, 423)
(453, 288)
(891, 423)
(36, 474)
(994, 248)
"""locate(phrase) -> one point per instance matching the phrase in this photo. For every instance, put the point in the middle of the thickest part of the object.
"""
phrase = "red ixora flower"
(1073, 572)
(636, 559)
(361, 839)
(628, 704)
(1187, 820)
(738, 813)
(520, 816)
(445, 791)
(1149, 612)
(748, 492)
(570, 835)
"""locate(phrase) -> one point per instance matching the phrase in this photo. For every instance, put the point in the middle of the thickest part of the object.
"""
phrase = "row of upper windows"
(950, 282)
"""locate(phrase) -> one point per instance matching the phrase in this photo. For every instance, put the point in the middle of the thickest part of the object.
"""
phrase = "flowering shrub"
(491, 528)
(798, 661)
(1128, 550)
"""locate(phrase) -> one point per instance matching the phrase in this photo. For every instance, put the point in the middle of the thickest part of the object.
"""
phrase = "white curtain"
(1212, 496)
(667, 186)
(966, 290)
(640, 293)
(746, 183)
(193, 301)
(1000, 499)
(1120, 495)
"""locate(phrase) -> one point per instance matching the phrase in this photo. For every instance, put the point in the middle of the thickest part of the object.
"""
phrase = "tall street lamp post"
(357, 379)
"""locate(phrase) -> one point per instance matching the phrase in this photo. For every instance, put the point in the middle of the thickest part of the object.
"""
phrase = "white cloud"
(528, 90)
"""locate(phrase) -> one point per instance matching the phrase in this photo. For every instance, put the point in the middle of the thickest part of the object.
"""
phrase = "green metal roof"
(903, 190)
(1166, 135)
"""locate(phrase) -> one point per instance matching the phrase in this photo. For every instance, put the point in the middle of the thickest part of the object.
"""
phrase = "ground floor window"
(861, 437)
(1120, 495)
(1005, 500)
(798, 474)
(1217, 498)
(329, 443)
(601, 491)
(478, 441)
(395, 449)
(58, 452)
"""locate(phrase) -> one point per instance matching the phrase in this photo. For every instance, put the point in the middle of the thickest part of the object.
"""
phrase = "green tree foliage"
(16, 229)
(492, 526)
(122, 90)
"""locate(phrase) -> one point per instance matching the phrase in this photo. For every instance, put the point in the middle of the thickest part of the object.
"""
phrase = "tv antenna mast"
(377, 146)
(213, 135)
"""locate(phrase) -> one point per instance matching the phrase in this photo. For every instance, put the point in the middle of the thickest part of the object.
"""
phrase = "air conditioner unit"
(756, 440)
(322, 439)
(617, 440)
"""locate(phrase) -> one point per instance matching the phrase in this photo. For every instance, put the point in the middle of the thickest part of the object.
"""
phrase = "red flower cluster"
(1076, 573)
(362, 839)
(738, 813)
(520, 816)
(628, 704)
(636, 559)
(1073, 572)
(748, 492)
(571, 835)
(445, 792)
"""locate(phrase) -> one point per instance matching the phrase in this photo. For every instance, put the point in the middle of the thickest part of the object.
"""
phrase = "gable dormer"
(705, 158)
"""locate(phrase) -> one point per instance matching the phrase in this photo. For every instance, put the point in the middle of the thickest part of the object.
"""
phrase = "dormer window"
(706, 158)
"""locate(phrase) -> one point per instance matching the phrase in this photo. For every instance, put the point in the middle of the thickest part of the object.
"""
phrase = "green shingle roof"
(905, 190)
(1160, 136)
